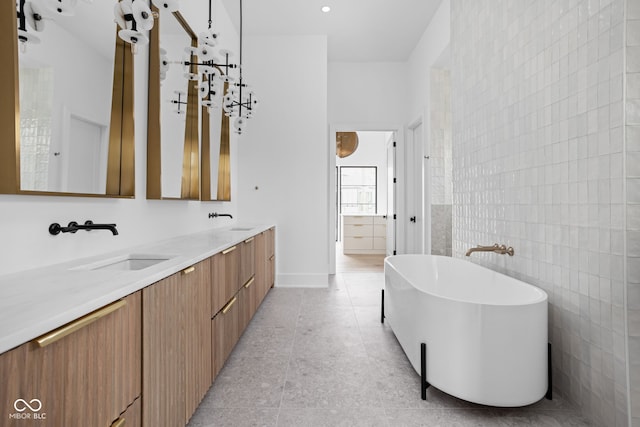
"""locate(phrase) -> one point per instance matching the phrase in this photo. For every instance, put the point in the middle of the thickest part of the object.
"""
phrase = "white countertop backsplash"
(34, 302)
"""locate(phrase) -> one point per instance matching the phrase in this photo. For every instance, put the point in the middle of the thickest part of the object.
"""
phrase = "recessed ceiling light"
(325, 9)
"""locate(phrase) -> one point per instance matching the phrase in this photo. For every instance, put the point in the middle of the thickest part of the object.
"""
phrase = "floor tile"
(356, 417)
(234, 417)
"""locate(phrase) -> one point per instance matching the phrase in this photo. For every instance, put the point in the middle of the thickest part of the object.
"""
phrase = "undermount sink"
(130, 262)
(241, 228)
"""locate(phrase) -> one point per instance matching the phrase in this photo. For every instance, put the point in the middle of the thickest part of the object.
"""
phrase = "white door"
(391, 192)
(86, 157)
(415, 223)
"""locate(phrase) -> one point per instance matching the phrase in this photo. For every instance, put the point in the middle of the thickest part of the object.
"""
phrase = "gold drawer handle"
(231, 249)
(271, 257)
(189, 270)
(249, 240)
(80, 323)
(250, 282)
(228, 306)
(357, 225)
(120, 422)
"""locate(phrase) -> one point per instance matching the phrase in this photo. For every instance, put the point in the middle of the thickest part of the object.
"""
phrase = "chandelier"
(238, 101)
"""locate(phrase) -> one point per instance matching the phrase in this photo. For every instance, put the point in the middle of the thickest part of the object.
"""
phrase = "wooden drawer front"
(380, 220)
(225, 329)
(358, 230)
(247, 261)
(225, 271)
(354, 219)
(88, 377)
(358, 243)
(380, 243)
(379, 230)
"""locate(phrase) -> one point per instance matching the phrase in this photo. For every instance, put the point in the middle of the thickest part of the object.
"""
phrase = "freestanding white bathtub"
(485, 333)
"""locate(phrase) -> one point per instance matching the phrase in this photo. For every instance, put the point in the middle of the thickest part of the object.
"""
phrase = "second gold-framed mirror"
(176, 168)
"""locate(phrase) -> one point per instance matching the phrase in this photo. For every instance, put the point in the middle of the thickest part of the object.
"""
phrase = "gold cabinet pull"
(77, 324)
(271, 257)
(249, 240)
(120, 422)
(250, 282)
(228, 306)
(231, 249)
(189, 270)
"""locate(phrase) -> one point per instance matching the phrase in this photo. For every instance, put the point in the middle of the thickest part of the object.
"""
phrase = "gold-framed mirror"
(173, 160)
(66, 123)
(176, 169)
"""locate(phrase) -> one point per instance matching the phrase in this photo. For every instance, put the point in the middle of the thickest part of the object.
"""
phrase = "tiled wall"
(633, 200)
(538, 145)
(440, 162)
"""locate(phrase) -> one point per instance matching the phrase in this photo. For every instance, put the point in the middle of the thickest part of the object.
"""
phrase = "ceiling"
(357, 30)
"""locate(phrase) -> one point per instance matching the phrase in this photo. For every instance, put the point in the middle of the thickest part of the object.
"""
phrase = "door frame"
(331, 185)
(422, 180)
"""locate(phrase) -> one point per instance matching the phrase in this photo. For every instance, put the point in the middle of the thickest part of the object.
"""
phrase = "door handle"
(412, 219)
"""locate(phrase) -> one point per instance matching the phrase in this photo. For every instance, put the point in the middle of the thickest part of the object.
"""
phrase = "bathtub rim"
(543, 296)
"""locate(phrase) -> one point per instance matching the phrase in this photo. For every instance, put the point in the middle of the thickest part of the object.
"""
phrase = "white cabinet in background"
(364, 234)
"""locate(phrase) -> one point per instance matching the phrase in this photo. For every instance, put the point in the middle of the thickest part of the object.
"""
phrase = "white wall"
(283, 153)
(373, 93)
(24, 220)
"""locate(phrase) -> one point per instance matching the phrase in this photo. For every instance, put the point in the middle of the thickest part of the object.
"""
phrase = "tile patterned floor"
(321, 357)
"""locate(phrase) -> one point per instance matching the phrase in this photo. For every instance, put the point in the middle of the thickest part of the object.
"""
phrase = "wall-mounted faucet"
(216, 214)
(88, 225)
(499, 249)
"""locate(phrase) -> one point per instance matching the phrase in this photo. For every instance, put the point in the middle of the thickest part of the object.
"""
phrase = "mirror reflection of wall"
(66, 83)
(173, 104)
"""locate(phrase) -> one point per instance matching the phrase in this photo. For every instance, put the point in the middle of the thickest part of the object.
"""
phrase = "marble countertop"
(34, 302)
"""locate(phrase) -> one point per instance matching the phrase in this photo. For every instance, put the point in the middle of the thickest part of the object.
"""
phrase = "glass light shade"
(167, 5)
(61, 7)
(118, 15)
(142, 15)
(205, 52)
(226, 53)
(209, 38)
(133, 37)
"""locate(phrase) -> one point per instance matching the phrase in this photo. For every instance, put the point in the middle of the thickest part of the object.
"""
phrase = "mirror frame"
(121, 157)
(190, 187)
(224, 161)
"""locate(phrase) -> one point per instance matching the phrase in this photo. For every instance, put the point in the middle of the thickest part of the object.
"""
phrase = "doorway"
(362, 233)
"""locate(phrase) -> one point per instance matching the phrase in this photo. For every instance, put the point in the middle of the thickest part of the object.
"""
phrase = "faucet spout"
(216, 214)
(499, 249)
(88, 225)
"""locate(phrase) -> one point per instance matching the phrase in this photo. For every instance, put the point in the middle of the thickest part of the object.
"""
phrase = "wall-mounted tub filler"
(499, 249)
(88, 225)
(469, 331)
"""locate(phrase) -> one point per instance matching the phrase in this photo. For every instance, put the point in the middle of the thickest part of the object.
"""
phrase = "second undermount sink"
(129, 262)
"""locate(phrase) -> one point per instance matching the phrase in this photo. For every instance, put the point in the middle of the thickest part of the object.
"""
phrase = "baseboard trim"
(302, 281)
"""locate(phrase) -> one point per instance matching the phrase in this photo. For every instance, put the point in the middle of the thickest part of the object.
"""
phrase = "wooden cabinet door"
(225, 279)
(86, 377)
(225, 333)
(163, 342)
(247, 261)
(248, 303)
(261, 268)
(196, 289)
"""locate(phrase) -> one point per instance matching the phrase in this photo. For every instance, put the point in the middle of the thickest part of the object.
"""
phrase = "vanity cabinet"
(247, 260)
(177, 346)
(87, 372)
